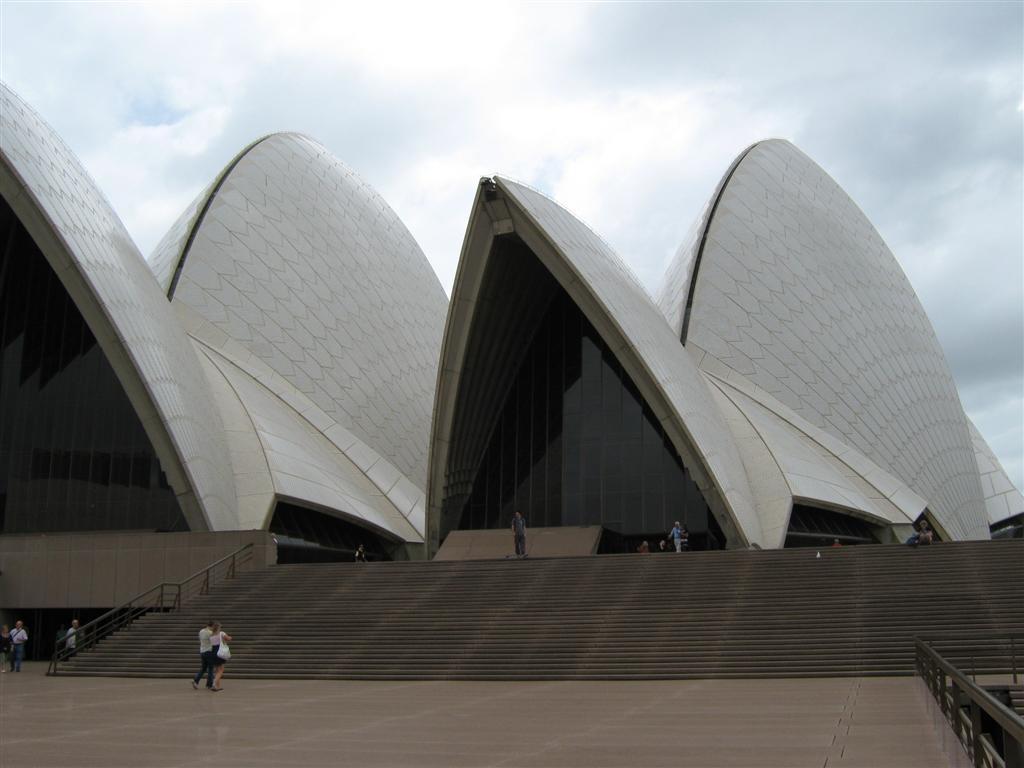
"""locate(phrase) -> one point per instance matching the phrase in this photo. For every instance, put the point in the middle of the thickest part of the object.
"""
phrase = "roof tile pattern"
(167, 254)
(306, 266)
(797, 292)
(305, 465)
(818, 469)
(338, 451)
(125, 308)
(1002, 500)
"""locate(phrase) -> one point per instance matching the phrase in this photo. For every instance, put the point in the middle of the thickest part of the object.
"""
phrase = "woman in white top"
(217, 637)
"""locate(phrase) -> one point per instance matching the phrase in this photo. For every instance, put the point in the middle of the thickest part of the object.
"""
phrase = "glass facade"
(73, 453)
(575, 444)
(310, 536)
(814, 527)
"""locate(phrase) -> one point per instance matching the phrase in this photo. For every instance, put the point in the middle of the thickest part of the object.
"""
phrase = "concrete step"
(854, 611)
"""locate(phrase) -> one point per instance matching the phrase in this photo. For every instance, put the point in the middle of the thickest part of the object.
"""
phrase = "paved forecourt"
(824, 723)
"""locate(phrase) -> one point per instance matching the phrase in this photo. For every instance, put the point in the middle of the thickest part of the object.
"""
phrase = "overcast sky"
(627, 114)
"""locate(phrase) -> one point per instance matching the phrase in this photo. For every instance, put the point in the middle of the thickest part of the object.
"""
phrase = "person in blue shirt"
(19, 636)
(676, 534)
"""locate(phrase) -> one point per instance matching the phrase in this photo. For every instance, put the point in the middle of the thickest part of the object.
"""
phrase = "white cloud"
(454, 44)
(637, 166)
(135, 169)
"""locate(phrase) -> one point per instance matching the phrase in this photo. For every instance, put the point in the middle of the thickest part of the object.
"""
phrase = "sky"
(625, 113)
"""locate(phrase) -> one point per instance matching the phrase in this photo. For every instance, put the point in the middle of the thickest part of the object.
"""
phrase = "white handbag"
(224, 652)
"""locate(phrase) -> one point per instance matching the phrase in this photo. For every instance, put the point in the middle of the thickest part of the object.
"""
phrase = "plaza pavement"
(819, 723)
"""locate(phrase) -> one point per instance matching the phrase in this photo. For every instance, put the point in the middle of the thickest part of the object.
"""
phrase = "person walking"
(5, 649)
(205, 657)
(19, 636)
(71, 638)
(218, 638)
(519, 533)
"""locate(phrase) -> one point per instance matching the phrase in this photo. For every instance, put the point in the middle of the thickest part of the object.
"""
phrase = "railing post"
(231, 568)
(954, 710)
(977, 747)
(205, 589)
(1013, 751)
(942, 697)
(1013, 659)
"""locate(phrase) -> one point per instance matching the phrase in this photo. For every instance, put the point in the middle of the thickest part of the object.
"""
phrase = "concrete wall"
(102, 570)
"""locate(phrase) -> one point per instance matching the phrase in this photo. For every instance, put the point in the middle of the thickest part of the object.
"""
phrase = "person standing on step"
(218, 638)
(519, 533)
(19, 636)
(360, 554)
(71, 638)
(205, 657)
(676, 535)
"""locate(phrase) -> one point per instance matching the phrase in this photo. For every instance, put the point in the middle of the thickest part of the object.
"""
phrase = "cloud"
(615, 160)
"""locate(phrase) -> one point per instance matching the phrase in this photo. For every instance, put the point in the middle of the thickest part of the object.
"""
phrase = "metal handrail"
(166, 596)
(1009, 642)
(935, 670)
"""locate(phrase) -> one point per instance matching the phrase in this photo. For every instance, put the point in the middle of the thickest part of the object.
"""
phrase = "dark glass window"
(305, 535)
(814, 527)
(71, 445)
(575, 444)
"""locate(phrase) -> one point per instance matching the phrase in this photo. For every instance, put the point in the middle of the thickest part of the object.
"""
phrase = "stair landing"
(122, 723)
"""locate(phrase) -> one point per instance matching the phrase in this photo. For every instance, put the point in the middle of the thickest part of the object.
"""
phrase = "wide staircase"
(788, 613)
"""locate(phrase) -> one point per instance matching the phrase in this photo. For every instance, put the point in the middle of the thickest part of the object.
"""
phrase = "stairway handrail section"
(954, 690)
(166, 596)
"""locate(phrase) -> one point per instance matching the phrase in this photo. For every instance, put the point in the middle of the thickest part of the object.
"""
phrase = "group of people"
(12, 643)
(12, 647)
(923, 536)
(678, 536)
(213, 653)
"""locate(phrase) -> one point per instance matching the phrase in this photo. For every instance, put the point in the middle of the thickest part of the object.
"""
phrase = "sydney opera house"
(287, 362)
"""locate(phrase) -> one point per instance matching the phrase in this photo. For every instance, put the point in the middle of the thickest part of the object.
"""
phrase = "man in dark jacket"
(519, 533)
